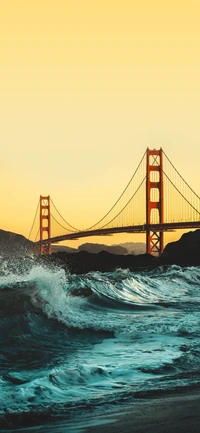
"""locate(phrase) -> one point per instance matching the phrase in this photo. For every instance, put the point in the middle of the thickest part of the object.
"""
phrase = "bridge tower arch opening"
(154, 200)
(45, 224)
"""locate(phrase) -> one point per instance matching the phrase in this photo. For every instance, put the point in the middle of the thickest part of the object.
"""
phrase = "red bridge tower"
(45, 224)
(154, 200)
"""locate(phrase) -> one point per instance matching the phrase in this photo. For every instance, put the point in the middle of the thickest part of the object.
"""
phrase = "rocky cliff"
(185, 251)
(13, 244)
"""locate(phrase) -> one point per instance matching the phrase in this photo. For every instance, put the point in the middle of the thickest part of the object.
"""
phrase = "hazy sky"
(85, 87)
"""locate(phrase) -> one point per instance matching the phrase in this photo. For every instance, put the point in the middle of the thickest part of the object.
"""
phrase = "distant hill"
(96, 248)
(124, 248)
(62, 248)
(13, 244)
(134, 247)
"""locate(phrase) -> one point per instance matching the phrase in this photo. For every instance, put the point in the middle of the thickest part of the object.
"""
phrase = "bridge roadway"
(125, 229)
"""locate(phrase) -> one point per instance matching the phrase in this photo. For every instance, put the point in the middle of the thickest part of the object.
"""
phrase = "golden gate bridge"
(155, 200)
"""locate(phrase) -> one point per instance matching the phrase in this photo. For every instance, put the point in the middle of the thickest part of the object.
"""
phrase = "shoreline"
(173, 413)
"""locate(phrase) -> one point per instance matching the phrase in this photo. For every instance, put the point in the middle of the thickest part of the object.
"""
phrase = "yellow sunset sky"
(85, 87)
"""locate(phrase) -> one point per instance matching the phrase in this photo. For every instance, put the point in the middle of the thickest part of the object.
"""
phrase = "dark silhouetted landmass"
(13, 244)
(184, 252)
(104, 261)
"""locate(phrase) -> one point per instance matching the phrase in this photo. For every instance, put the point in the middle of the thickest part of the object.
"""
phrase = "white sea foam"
(154, 318)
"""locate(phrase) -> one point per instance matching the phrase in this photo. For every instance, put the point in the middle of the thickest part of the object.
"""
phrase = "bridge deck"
(125, 229)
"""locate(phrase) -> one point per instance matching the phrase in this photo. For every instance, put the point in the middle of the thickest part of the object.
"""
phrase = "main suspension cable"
(34, 220)
(71, 231)
(74, 228)
(37, 235)
(125, 204)
(181, 176)
(182, 194)
(119, 196)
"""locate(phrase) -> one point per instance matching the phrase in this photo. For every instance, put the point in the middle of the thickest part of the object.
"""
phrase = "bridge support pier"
(154, 200)
(45, 224)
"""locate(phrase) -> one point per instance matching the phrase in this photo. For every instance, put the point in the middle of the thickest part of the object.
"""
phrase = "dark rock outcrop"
(104, 261)
(185, 251)
(12, 244)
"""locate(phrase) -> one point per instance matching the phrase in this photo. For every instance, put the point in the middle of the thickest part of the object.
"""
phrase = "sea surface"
(73, 345)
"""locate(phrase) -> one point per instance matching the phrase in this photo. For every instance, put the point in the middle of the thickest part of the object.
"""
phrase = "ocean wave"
(96, 301)
(68, 341)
